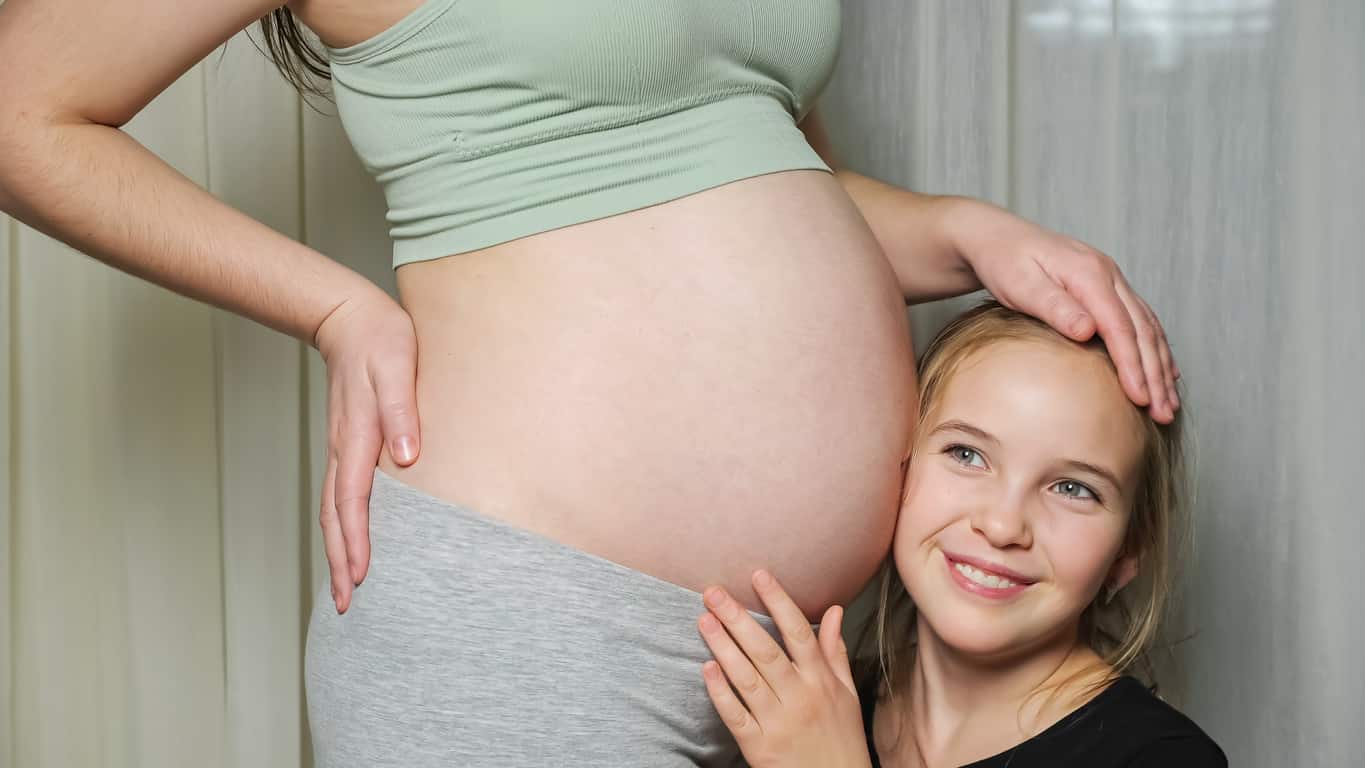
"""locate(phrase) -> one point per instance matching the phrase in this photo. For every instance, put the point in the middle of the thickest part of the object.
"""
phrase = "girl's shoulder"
(1126, 726)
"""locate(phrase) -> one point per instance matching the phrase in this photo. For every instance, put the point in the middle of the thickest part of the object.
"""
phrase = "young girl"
(1027, 579)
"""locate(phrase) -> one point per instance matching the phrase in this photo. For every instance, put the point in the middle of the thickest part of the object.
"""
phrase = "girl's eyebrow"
(958, 425)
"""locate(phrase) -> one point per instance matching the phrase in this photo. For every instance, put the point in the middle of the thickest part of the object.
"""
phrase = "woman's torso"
(693, 389)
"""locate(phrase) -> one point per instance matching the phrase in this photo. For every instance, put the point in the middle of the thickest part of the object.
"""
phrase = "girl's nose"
(1003, 521)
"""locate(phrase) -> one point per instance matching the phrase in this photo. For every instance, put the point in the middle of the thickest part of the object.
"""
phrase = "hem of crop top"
(723, 164)
(416, 20)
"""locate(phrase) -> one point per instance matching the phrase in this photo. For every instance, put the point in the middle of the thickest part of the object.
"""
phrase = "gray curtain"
(1215, 149)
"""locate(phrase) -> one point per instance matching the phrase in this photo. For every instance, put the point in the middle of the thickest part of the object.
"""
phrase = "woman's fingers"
(753, 688)
(357, 456)
(1169, 372)
(1037, 293)
(370, 348)
(732, 712)
(790, 619)
(334, 544)
(1114, 323)
(393, 373)
(1149, 343)
(833, 647)
(396, 392)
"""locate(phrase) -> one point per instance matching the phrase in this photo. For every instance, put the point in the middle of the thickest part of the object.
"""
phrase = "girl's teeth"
(984, 579)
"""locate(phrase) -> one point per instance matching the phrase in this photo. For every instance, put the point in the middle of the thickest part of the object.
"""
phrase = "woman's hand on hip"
(370, 348)
(1072, 287)
(787, 708)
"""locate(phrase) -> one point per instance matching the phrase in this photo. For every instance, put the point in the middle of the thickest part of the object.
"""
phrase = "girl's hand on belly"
(795, 710)
(370, 348)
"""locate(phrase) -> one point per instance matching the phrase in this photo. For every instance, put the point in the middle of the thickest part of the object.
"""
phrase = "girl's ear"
(1123, 571)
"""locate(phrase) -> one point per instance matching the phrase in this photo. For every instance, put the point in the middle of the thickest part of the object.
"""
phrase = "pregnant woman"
(655, 336)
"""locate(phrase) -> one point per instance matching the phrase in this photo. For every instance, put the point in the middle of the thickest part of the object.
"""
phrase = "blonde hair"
(1122, 630)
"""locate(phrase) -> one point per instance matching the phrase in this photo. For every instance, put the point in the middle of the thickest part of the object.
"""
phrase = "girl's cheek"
(1082, 549)
(926, 509)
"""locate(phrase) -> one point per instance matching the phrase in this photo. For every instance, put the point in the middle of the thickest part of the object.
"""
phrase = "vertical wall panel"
(8, 231)
(1320, 408)
(1200, 152)
(964, 117)
(965, 96)
(253, 162)
(872, 104)
(118, 642)
(1063, 144)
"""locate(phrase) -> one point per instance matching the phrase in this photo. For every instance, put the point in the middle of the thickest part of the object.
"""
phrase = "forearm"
(95, 188)
(916, 232)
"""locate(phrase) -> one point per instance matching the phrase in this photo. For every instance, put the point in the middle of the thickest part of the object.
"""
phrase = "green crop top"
(489, 120)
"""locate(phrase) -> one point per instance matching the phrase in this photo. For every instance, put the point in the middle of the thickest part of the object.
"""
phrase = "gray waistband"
(473, 642)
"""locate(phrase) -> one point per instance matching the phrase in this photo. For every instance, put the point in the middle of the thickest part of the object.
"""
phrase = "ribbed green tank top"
(488, 120)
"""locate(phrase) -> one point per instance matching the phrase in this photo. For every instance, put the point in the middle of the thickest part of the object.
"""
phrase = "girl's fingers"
(753, 640)
(742, 725)
(833, 647)
(758, 696)
(790, 619)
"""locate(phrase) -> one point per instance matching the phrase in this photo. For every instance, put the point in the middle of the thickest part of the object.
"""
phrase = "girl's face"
(1017, 498)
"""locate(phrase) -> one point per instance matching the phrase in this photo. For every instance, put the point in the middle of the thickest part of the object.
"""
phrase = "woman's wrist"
(361, 297)
(959, 224)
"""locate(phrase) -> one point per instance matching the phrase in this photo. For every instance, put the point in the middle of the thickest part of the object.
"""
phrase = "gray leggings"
(476, 643)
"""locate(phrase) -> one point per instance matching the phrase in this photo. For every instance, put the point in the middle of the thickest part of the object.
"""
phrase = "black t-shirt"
(1125, 726)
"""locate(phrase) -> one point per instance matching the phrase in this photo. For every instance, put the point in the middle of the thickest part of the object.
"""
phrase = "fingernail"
(355, 575)
(708, 623)
(762, 578)
(715, 596)
(405, 449)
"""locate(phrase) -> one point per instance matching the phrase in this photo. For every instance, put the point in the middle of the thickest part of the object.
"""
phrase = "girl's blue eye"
(964, 455)
(1074, 490)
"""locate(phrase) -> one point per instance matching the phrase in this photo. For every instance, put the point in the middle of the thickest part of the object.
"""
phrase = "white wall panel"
(254, 165)
(118, 643)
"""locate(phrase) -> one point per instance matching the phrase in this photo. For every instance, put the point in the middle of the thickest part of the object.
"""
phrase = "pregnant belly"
(694, 390)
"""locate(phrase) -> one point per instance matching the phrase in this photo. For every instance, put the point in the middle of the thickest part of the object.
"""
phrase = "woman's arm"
(941, 246)
(71, 73)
